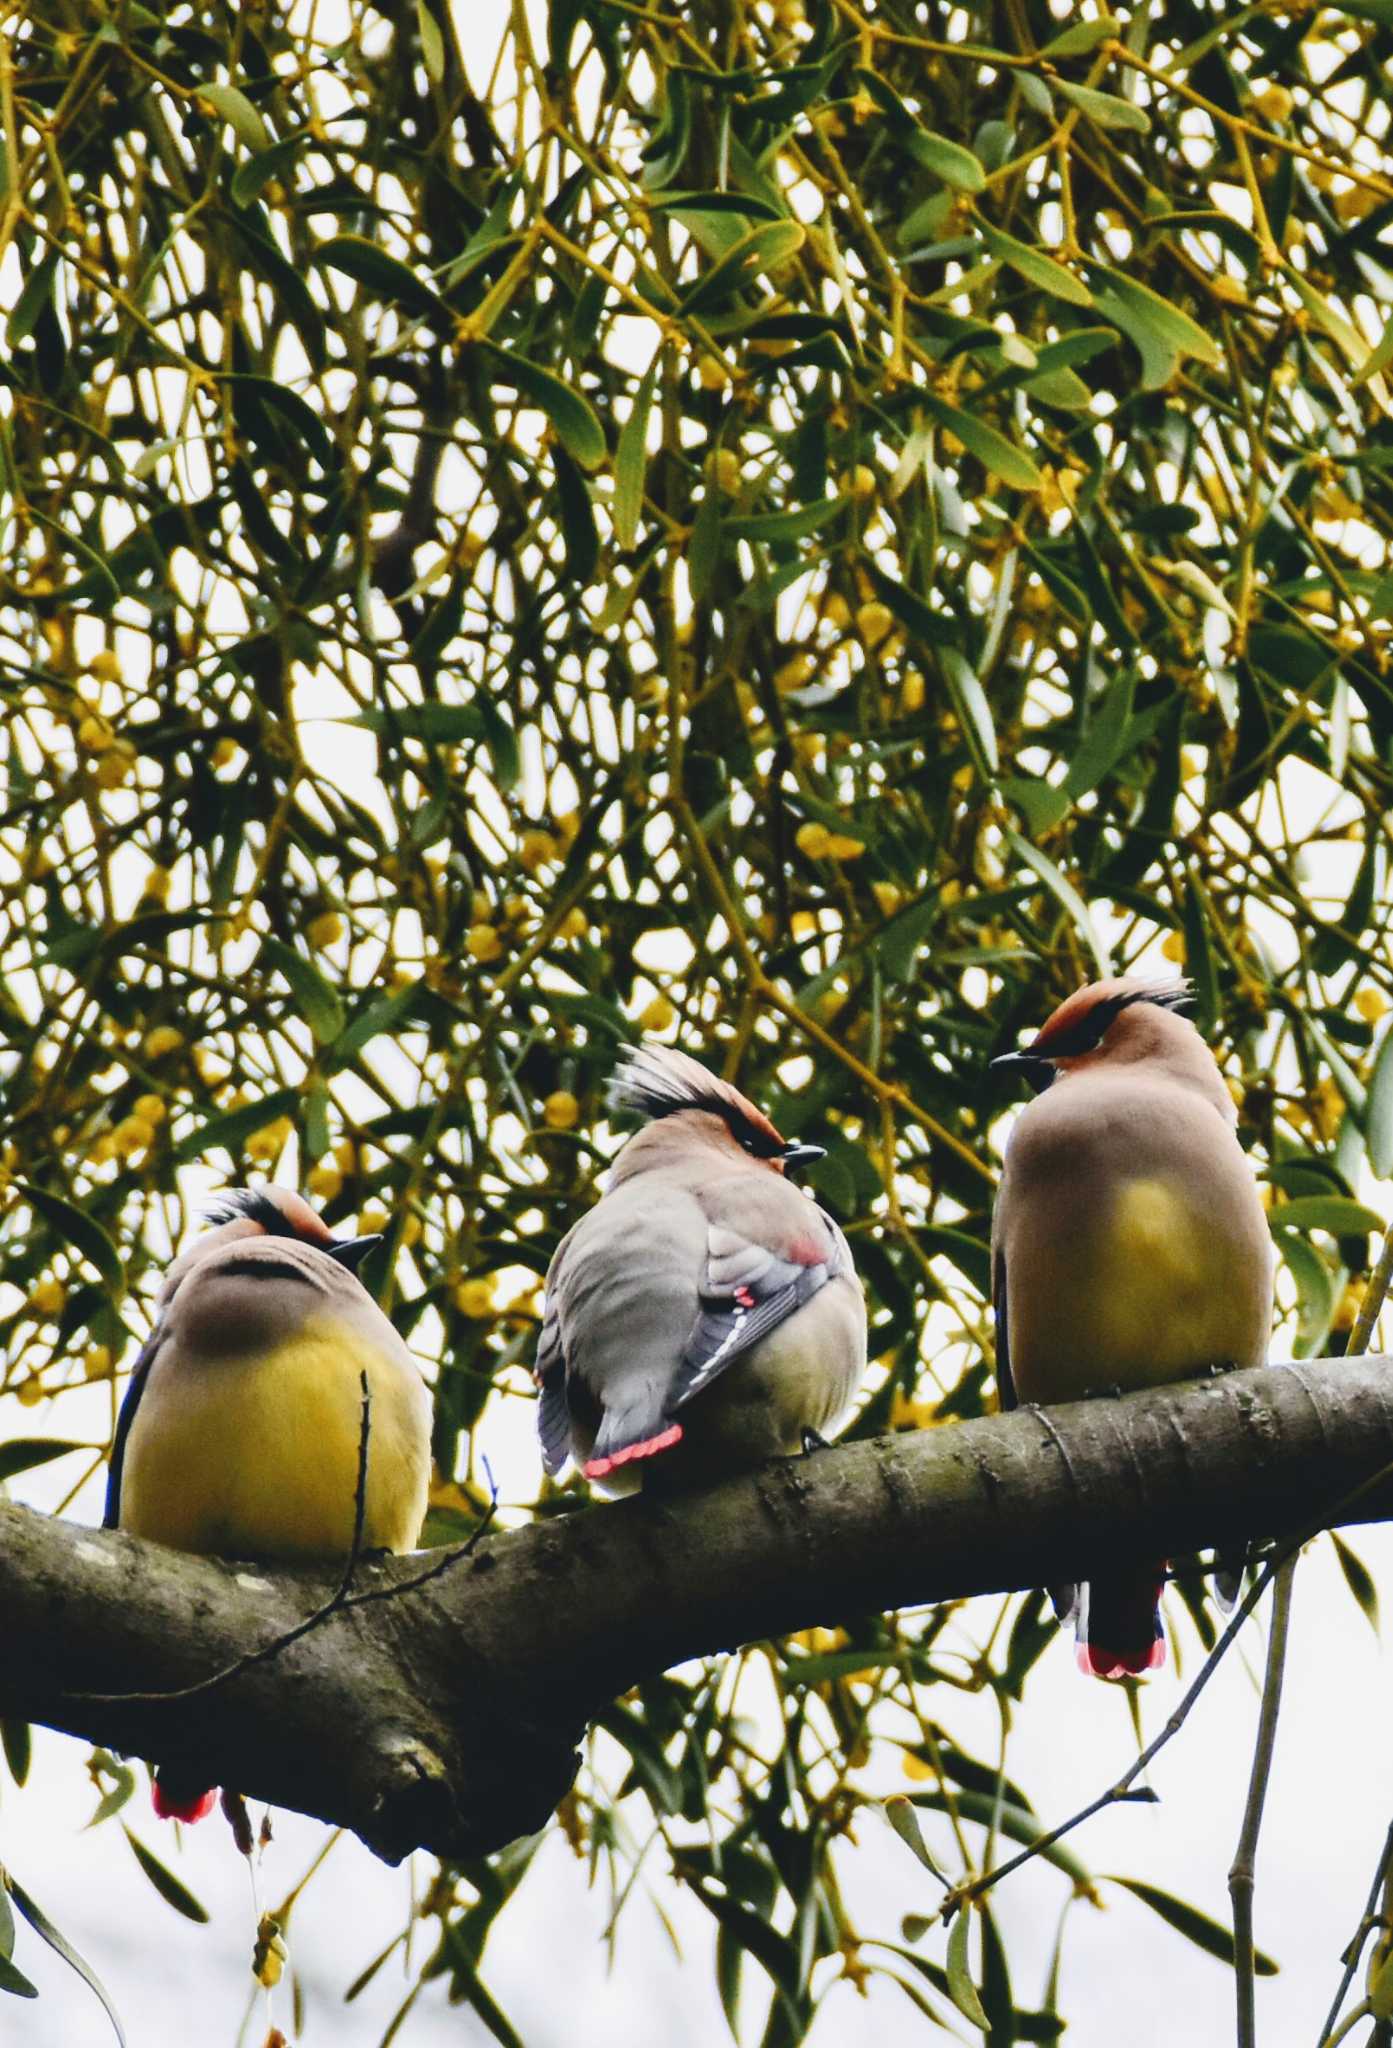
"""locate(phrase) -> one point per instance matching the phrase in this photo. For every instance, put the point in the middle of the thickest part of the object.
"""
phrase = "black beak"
(797, 1155)
(351, 1251)
(1038, 1071)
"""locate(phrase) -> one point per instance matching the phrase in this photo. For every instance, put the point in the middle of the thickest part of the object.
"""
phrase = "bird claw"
(812, 1441)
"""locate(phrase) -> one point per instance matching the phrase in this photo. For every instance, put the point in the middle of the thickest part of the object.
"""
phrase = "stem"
(1245, 1857)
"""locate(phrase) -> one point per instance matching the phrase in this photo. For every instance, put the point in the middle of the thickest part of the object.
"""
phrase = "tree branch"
(447, 1718)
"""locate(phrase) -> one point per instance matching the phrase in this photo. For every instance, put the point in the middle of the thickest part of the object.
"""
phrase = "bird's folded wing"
(111, 1517)
(1005, 1385)
(553, 1413)
(747, 1290)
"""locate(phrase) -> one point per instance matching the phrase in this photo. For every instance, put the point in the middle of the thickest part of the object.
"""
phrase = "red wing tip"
(596, 1468)
(1096, 1662)
(186, 1810)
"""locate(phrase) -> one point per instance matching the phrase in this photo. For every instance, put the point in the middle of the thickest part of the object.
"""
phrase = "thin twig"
(1241, 1874)
(1368, 1922)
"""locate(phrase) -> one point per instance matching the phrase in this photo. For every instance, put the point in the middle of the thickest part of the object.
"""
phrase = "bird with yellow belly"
(242, 1434)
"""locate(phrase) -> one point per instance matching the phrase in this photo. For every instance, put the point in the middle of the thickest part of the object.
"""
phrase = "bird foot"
(813, 1442)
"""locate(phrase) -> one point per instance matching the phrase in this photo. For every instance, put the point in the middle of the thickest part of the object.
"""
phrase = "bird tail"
(611, 1451)
(1119, 1623)
(179, 1793)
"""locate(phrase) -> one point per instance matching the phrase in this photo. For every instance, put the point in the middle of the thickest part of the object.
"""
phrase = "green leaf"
(795, 524)
(1335, 1213)
(1358, 1578)
(973, 711)
(1189, 1921)
(169, 1887)
(1378, 1109)
(1101, 746)
(302, 418)
(1199, 957)
(1002, 457)
(14, 1981)
(577, 427)
(79, 1230)
(384, 276)
(1036, 266)
(933, 628)
(1315, 1290)
(1379, 357)
(381, 1016)
(704, 547)
(432, 43)
(35, 294)
(240, 115)
(1066, 894)
(1035, 93)
(438, 725)
(961, 1988)
(1162, 332)
(316, 999)
(631, 460)
(60, 1944)
(1104, 107)
(23, 1453)
(763, 248)
(1082, 36)
(900, 1813)
(232, 1126)
(18, 1740)
(251, 178)
(947, 160)
(579, 532)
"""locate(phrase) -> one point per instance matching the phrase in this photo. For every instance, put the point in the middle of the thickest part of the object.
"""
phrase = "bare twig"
(1245, 1857)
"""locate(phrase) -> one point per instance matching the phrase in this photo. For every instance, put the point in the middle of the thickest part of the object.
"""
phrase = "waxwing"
(1129, 1245)
(704, 1315)
(241, 1432)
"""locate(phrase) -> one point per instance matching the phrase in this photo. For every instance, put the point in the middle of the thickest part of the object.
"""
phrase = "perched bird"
(1129, 1246)
(704, 1312)
(241, 1432)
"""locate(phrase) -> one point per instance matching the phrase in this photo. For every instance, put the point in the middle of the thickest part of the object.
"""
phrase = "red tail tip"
(198, 1807)
(1096, 1662)
(596, 1468)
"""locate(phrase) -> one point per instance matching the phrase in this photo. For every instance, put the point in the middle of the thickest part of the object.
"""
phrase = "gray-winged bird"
(1129, 1246)
(241, 1432)
(704, 1312)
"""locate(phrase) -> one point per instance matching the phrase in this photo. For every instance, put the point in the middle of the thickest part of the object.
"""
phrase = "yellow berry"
(96, 1362)
(411, 1230)
(843, 846)
(794, 673)
(480, 906)
(859, 483)
(483, 942)
(874, 622)
(809, 747)
(474, 1298)
(1173, 947)
(836, 612)
(324, 930)
(151, 1107)
(112, 770)
(724, 471)
(101, 1149)
(536, 850)
(133, 1134)
(47, 1297)
(912, 693)
(157, 884)
(162, 1040)
(94, 735)
(225, 753)
(346, 1155)
(1274, 102)
(658, 1016)
(803, 924)
(560, 1111)
(888, 897)
(813, 839)
(325, 1181)
(105, 667)
(1371, 1003)
(30, 1391)
(374, 1223)
(574, 925)
(712, 374)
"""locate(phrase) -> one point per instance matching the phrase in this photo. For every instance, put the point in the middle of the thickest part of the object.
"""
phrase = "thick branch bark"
(447, 1717)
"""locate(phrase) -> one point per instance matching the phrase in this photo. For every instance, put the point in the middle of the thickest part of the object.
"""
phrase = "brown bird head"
(1119, 1022)
(267, 1212)
(685, 1103)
